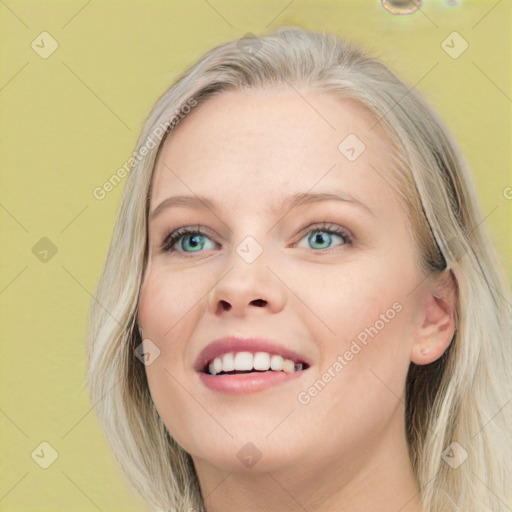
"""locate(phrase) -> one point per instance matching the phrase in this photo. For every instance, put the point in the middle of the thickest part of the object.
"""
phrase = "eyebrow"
(292, 201)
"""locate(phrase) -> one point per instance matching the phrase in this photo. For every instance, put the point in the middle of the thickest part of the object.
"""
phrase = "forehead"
(254, 147)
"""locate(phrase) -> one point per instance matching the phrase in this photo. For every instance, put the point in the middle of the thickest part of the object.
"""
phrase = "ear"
(437, 317)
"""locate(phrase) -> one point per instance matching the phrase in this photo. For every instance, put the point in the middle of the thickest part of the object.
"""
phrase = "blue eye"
(322, 236)
(195, 239)
(188, 243)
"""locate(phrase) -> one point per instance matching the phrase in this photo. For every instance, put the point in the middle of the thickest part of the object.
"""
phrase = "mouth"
(251, 363)
(236, 365)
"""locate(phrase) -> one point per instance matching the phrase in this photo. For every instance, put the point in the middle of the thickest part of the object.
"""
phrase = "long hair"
(453, 405)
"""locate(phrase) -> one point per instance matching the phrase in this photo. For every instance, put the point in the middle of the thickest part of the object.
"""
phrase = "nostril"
(225, 306)
(259, 302)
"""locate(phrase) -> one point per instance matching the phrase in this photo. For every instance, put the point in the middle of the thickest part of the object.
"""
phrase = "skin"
(346, 449)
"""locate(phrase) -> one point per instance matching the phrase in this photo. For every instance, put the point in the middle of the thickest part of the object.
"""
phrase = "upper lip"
(244, 344)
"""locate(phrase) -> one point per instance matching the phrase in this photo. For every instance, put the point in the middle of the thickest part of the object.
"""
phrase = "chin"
(248, 456)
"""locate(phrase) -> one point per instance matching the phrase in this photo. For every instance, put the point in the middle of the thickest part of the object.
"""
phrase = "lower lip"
(242, 383)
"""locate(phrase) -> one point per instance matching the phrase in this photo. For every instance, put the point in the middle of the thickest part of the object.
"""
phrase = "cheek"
(360, 385)
(168, 311)
(169, 301)
(368, 346)
(356, 304)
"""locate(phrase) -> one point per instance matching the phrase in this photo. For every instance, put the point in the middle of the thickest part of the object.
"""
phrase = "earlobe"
(438, 317)
(429, 350)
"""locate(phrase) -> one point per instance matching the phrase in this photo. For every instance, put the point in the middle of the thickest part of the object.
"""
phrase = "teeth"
(246, 361)
(276, 362)
(261, 361)
(215, 366)
(288, 365)
(243, 361)
(228, 362)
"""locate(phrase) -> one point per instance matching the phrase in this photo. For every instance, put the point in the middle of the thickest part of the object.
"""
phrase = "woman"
(237, 365)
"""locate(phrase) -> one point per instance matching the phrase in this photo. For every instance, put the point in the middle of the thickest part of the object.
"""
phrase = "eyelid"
(178, 233)
(325, 226)
(175, 235)
(330, 227)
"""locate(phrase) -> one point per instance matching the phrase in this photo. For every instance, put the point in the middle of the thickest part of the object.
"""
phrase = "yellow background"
(70, 121)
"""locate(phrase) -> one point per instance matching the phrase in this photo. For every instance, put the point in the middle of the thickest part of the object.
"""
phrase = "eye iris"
(195, 244)
(319, 234)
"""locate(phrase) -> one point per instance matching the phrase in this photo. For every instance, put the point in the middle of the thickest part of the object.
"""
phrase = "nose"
(246, 288)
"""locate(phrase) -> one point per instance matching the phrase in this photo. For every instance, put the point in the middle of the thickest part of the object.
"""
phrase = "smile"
(232, 363)
(237, 365)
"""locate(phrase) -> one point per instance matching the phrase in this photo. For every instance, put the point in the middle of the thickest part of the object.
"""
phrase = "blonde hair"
(456, 399)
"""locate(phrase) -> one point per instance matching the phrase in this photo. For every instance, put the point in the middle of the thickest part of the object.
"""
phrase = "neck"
(377, 478)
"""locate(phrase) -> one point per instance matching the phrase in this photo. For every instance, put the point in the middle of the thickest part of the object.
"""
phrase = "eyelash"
(174, 236)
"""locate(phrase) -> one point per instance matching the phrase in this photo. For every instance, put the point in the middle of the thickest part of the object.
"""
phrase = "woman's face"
(347, 303)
